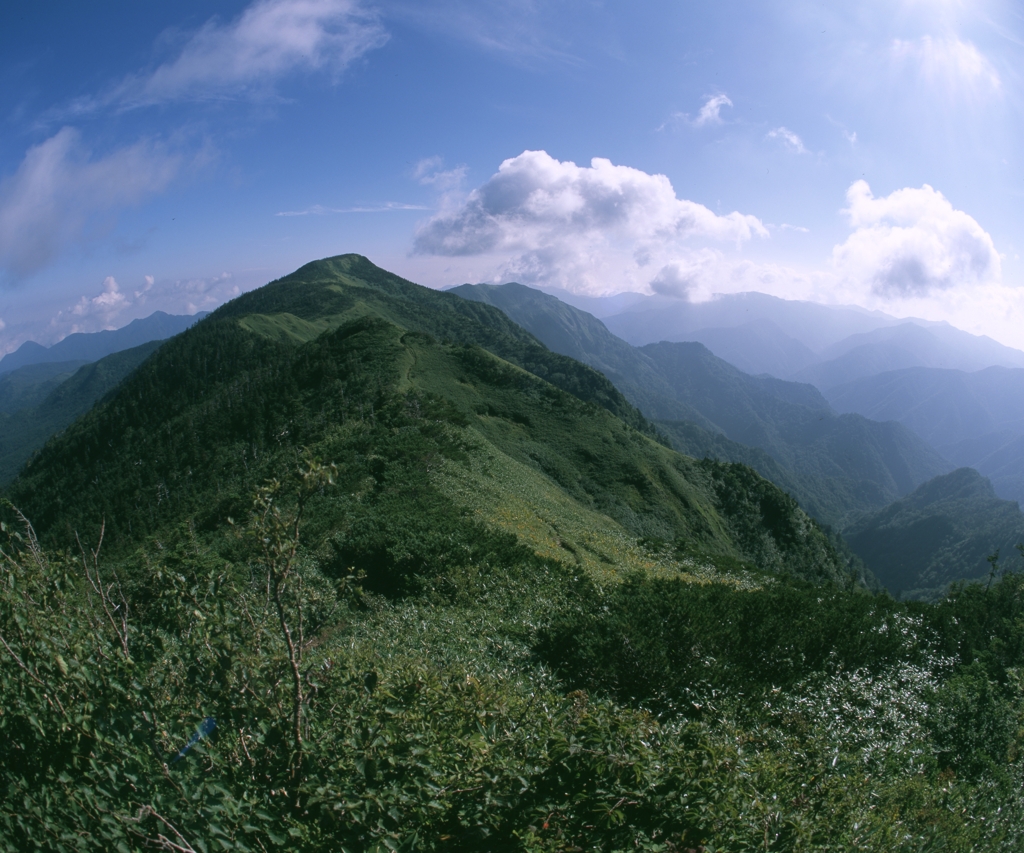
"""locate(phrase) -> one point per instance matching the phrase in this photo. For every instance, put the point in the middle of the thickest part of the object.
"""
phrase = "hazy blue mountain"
(797, 427)
(28, 429)
(577, 334)
(803, 341)
(759, 346)
(92, 346)
(999, 456)
(941, 532)
(973, 419)
(28, 386)
(904, 346)
(659, 318)
(833, 464)
(599, 306)
(944, 407)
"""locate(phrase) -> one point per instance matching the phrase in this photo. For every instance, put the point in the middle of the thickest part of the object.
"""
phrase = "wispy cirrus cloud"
(789, 139)
(520, 30)
(50, 202)
(320, 210)
(711, 112)
(244, 57)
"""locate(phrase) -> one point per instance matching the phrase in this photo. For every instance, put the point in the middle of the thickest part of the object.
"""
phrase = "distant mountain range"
(836, 465)
(853, 456)
(92, 346)
(821, 344)
(973, 419)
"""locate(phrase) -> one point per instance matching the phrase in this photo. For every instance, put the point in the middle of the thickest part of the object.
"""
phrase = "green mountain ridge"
(319, 358)
(940, 533)
(836, 465)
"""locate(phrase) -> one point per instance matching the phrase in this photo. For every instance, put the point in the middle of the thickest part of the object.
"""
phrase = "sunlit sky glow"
(169, 156)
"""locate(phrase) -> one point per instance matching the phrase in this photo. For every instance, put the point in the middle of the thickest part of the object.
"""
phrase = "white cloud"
(112, 307)
(788, 138)
(104, 307)
(269, 39)
(913, 243)
(587, 228)
(953, 62)
(710, 113)
(51, 200)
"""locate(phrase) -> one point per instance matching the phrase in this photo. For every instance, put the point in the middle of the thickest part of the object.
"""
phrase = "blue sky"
(168, 156)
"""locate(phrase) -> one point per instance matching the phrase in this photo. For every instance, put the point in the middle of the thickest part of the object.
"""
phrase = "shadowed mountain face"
(940, 533)
(28, 386)
(973, 419)
(450, 426)
(92, 346)
(835, 464)
(25, 430)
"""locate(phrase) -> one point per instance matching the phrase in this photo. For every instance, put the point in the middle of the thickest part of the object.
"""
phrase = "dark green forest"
(354, 565)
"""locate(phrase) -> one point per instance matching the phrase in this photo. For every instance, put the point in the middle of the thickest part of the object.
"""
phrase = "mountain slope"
(975, 419)
(942, 532)
(438, 441)
(26, 430)
(579, 335)
(91, 346)
(834, 465)
(944, 407)
(28, 386)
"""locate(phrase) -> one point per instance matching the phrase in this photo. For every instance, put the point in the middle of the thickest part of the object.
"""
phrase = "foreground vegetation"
(511, 704)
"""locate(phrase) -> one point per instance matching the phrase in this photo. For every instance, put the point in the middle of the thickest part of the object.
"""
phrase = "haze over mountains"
(848, 465)
(804, 341)
(91, 346)
(836, 465)
(959, 392)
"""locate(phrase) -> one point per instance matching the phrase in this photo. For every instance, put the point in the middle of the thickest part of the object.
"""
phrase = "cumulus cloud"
(50, 201)
(556, 221)
(106, 306)
(788, 138)
(114, 307)
(913, 243)
(950, 61)
(711, 112)
(269, 39)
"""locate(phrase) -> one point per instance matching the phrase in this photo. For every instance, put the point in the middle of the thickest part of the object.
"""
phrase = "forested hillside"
(355, 565)
(836, 466)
